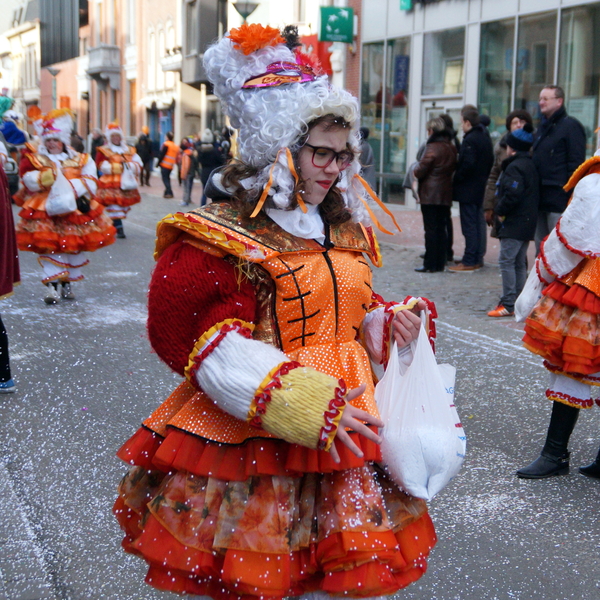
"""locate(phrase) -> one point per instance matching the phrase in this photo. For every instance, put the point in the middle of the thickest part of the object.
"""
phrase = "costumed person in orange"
(60, 220)
(258, 477)
(563, 327)
(120, 167)
(10, 275)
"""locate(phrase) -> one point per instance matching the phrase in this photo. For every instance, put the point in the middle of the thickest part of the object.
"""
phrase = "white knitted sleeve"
(557, 258)
(31, 180)
(234, 370)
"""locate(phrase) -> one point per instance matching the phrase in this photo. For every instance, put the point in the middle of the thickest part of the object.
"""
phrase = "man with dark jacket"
(475, 161)
(144, 151)
(517, 199)
(558, 149)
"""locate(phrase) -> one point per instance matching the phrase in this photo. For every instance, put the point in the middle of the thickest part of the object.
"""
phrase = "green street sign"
(406, 4)
(337, 24)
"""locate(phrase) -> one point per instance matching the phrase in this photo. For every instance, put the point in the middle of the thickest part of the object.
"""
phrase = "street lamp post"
(245, 9)
(54, 72)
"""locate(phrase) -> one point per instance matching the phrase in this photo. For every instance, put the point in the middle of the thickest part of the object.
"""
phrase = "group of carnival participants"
(261, 474)
(66, 212)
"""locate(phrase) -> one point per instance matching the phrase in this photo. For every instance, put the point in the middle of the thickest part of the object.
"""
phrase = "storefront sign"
(337, 24)
(401, 73)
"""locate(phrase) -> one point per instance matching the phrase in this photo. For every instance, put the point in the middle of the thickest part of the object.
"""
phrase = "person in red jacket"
(60, 218)
(258, 477)
(9, 270)
(120, 167)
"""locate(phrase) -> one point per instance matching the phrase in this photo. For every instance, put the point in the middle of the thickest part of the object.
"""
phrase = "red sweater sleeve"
(25, 164)
(191, 291)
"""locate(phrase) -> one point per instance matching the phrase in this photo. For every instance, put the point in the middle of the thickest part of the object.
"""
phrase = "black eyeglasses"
(323, 157)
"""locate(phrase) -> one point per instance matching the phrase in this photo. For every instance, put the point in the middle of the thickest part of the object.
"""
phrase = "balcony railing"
(105, 65)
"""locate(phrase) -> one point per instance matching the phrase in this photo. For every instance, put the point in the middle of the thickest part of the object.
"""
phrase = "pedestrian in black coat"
(517, 202)
(145, 152)
(475, 160)
(558, 149)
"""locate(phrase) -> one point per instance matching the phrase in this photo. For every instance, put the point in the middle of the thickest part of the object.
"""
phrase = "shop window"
(395, 130)
(372, 95)
(579, 66)
(495, 72)
(535, 59)
(443, 62)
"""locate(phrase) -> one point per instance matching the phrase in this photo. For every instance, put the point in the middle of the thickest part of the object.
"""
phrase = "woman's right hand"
(353, 418)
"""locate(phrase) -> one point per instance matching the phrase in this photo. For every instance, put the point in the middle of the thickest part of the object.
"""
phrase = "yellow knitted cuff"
(46, 178)
(200, 352)
(300, 405)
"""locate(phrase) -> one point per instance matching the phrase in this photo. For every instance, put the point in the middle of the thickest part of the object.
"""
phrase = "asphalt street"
(86, 378)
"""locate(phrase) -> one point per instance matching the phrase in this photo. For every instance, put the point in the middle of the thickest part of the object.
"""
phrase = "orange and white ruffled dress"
(564, 326)
(233, 493)
(111, 160)
(60, 240)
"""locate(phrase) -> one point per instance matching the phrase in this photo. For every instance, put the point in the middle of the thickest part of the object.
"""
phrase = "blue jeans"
(472, 225)
(513, 267)
(166, 179)
(545, 224)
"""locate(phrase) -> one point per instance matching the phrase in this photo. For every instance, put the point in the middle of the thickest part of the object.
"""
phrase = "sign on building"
(337, 24)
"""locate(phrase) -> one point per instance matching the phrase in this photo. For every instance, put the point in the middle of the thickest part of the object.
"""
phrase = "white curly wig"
(270, 119)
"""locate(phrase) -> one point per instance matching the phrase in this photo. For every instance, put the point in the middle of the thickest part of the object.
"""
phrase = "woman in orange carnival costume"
(564, 325)
(115, 191)
(258, 477)
(60, 220)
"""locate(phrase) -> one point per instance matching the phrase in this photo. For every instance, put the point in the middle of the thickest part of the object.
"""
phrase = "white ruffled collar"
(121, 149)
(308, 226)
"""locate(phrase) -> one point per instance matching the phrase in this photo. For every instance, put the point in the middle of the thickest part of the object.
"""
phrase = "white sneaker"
(66, 292)
(51, 296)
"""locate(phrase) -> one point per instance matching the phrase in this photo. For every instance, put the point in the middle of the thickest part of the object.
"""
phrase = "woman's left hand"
(407, 323)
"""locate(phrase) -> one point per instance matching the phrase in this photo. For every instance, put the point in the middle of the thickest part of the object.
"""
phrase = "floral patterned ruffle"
(348, 533)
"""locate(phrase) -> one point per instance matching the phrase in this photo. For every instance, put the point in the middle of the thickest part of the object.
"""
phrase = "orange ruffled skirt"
(268, 519)
(109, 192)
(564, 328)
(73, 233)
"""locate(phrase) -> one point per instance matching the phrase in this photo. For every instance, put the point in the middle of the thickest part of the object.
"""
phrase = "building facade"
(498, 56)
(21, 60)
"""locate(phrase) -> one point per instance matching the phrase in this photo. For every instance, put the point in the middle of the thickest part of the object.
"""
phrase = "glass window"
(535, 59)
(395, 130)
(579, 66)
(372, 95)
(443, 62)
(495, 71)
(191, 32)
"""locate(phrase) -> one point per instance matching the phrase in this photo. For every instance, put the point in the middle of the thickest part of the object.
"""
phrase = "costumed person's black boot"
(592, 470)
(118, 223)
(554, 458)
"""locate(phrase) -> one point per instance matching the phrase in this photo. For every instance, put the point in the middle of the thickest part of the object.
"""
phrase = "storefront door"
(430, 109)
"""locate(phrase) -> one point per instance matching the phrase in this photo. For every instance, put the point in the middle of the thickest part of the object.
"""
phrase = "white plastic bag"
(528, 298)
(424, 443)
(128, 180)
(61, 197)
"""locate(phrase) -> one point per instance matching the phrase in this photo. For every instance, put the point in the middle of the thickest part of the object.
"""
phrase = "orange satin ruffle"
(269, 535)
(564, 328)
(111, 193)
(185, 452)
